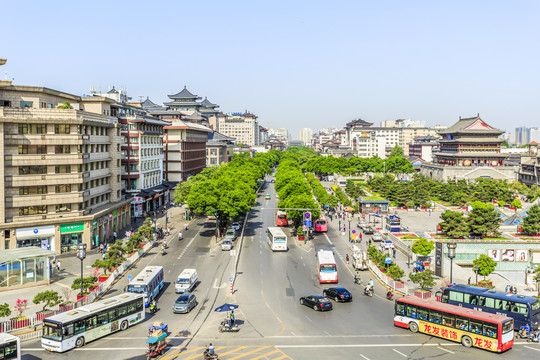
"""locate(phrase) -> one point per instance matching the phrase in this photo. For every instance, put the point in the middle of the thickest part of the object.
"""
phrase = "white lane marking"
(400, 353)
(188, 245)
(216, 286)
(327, 333)
(443, 349)
(363, 356)
(293, 334)
(359, 345)
(337, 336)
(328, 239)
(528, 347)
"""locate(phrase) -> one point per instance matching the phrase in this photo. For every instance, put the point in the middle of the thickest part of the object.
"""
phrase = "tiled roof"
(208, 104)
(471, 125)
(184, 94)
(148, 103)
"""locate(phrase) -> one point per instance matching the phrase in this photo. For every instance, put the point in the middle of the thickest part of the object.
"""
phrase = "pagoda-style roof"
(471, 154)
(207, 104)
(148, 103)
(185, 94)
(472, 125)
(474, 140)
(359, 122)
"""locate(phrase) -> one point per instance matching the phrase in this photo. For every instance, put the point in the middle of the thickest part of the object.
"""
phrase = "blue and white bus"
(523, 309)
(148, 282)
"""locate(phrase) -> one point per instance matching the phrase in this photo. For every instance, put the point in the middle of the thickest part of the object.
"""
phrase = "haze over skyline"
(294, 64)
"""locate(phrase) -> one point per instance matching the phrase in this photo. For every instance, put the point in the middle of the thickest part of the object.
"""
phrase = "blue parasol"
(226, 307)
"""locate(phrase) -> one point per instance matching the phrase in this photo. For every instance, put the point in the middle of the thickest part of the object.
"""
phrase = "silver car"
(184, 303)
(376, 237)
(226, 245)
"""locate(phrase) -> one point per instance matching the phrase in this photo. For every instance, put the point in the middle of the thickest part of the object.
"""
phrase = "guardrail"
(397, 286)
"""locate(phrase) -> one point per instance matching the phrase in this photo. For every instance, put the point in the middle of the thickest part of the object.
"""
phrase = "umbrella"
(348, 208)
(226, 307)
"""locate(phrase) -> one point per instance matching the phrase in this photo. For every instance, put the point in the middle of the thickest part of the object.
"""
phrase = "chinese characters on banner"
(455, 335)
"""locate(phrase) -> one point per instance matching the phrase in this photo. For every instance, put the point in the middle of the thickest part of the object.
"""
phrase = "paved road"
(273, 324)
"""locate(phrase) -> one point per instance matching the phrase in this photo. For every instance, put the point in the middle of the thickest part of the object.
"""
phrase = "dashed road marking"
(399, 352)
(443, 349)
(364, 356)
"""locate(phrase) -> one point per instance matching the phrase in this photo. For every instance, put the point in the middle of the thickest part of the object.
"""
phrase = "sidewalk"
(71, 268)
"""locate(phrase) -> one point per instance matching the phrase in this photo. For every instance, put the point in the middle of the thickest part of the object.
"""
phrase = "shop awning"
(24, 253)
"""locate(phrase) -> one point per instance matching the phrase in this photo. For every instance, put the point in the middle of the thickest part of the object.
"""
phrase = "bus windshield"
(328, 267)
(535, 305)
(52, 332)
(137, 289)
(280, 239)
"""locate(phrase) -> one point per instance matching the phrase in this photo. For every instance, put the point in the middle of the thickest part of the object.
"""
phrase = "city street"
(273, 325)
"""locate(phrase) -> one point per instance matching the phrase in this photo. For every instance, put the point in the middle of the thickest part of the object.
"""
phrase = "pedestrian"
(54, 260)
(344, 228)
(50, 269)
(58, 265)
(515, 290)
(394, 253)
(232, 317)
(108, 247)
(101, 249)
(347, 258)
(114, 235)
(429, 210)
(469, 281)
(511, 290)
(506, 289)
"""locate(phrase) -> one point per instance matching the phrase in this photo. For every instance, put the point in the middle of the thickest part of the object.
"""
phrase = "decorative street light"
(475, 269)
(349, 230)
(81, 254)
(451, 254)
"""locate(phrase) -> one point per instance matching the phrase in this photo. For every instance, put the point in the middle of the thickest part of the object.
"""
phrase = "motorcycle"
(208, 356)
(390, 295)
(368, 291)
(533, 337)
(357, 279)
(163, 251)
(153, 309)
(225, 326)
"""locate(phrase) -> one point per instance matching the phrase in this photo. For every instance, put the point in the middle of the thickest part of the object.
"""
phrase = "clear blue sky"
(293, 63)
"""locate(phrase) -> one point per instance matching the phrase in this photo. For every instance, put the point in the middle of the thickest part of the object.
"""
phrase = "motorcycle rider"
(524, 330)
(211, 349)
(153, 306)
(180, 236)
(163, 252)
(185, 226)
(389, 295)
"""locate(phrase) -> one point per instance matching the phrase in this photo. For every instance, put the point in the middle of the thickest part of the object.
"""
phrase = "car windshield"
(182, 300)
(535, 305)
(182, 281)
(137, 289)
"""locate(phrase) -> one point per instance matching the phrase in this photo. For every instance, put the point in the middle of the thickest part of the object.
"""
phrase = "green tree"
(108, 264)
(396, 151)
(50, 298)
(423, 247)
(454, 224)
(424, 279)
(531, 222)
(486, 265)
(87, 283)
(484, 219)
(5, 311)
(395, 272)
(64, 105)
(516, 203)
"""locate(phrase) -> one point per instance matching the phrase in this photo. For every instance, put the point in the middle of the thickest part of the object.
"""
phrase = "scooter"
(390, 295)
(225, 326)
(153, 309)
(208, 356)
(533, 337)
(368, 291)
(163, 252)
(357, 279)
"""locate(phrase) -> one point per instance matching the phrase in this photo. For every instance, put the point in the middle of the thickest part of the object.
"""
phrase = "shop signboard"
(35, 231)
(68, 228)
(94, 224)
(115, 212)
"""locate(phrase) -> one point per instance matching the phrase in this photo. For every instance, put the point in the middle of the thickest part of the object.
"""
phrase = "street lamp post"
(349, 230)
(451, 254)
(475, 269)
(81, 254)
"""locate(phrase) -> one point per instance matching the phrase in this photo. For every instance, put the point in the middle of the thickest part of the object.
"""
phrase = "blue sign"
(36, 231)
(388, 260)
(129, 277)
(307, 215)
(231, 278)
(307, 219)
(354, 231)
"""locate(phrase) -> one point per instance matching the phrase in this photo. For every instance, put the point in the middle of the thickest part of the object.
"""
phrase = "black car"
(368, 230)
(338, 294)
(317, 302)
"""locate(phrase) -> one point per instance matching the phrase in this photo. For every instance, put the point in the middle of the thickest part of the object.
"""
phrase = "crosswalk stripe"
(264, 355)
(232, 351)
(282, 357)
(249, 352)
(172, 356)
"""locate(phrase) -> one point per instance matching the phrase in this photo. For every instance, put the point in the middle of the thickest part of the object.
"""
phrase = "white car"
(226, 245)
(376, 237)
(387, 245)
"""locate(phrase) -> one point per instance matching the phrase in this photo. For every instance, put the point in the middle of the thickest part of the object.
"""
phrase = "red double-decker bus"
(470, 327)
(281, 218)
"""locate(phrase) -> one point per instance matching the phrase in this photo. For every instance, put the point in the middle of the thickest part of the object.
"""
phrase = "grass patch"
(374, 198)
(408, 237)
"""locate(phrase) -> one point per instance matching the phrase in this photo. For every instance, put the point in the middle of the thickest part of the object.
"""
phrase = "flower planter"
(301, 237)
(67, 307)
(20, 322)
(85, 297)
(103, 278)
(43, 314)
(422, 294)
(485, 284)
(94, 288)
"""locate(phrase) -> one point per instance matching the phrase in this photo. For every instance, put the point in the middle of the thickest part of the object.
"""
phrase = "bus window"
(522, 309)
(422, 313)
(434, 316)
(411, 311)
(139, 304)
(68, 331)
(456, 296)
(475, 326)
(102, 318)
(400, 309)
(462, 323)
(490, 330)
(91, 322)
(131, 308)
(79, 327)
(448, 320)
(472, 299)
(490, 302)
(113, 314)
(122, 311)
(481, 300)
(500, 304)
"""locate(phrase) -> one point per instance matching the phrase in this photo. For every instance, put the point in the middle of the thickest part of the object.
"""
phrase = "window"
(32, 190)
(32, 149)
(62, 129)
(462, 323)
(91, 322)
(62, 169)
(32, 129)
(32, 170)
(122, 311)
(448, 320)
(33, 210)
(61, 149)
(490, 330)
(434, 316)
(489, 302)
(102, 319)
(26, 104)
(400, 309)
(63, 208)
(131, 308)
(80, 326)
(63, 188)
(422, 313)
(475, 326)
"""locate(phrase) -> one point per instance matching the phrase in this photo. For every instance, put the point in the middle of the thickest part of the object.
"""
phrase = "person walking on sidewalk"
(347, 258)
(58, 265)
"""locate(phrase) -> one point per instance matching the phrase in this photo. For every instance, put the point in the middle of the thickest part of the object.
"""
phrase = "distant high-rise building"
(534, 135)
(282, 133)
(306, 135)
(243, 127)
(522, 135)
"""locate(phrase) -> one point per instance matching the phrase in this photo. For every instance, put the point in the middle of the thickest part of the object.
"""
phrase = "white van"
(186, 282)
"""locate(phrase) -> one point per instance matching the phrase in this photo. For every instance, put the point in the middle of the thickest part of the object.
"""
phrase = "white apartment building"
(305, 136)
(244, 127)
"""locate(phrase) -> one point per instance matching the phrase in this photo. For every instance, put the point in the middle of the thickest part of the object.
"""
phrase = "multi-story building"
(305, 135)
(534, 135)
(263, 134)
(529, 169)
(61, 170)
(219, 149)
(522, 135)
(185, 150)
(244, 127)
(423, 146)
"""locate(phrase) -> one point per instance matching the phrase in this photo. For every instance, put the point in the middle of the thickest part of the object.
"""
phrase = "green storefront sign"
(71, 228)
(115, 212)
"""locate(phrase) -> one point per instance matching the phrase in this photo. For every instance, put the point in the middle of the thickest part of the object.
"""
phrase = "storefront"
(24, 267)
(94, 241)
(40, 236)
(71, 235)
(137, 206)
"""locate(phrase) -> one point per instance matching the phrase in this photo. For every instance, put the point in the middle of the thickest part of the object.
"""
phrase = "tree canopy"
(423, 247)
(531, 222)
(486, 265)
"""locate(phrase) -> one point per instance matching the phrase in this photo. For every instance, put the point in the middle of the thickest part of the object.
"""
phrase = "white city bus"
(277, 240)
(10, 347)
(148, 282)
(76, 327)
(327, 267)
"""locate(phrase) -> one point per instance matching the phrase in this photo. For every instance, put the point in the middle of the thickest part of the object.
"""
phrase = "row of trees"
(323, 197)
(481, 221)
(229, 189)
(343, 199)
(354, 189)
(457, 193)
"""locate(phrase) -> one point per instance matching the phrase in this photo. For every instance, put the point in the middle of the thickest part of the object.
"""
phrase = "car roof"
(184, 296)
(340, 288)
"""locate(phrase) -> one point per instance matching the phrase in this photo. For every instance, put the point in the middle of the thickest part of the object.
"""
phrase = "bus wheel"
(124, 325)
(80, 342)
(466, 341)
(413, 327)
